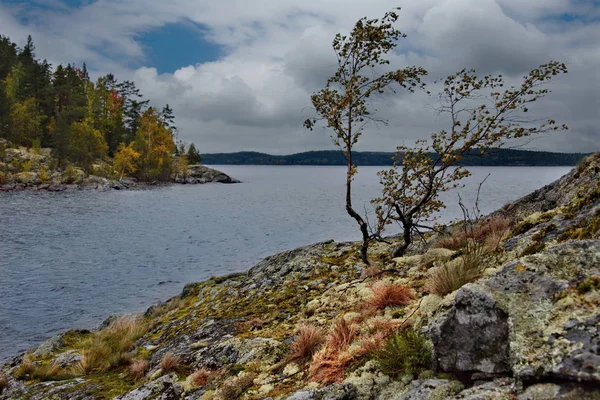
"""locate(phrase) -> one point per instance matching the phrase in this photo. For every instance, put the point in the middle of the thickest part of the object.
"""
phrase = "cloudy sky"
(239, 73)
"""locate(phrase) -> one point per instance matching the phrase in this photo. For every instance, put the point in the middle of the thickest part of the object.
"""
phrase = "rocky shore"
(313, 323)
(25, 169)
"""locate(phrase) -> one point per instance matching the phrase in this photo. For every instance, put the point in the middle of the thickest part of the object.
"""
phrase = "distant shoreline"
(497, 157)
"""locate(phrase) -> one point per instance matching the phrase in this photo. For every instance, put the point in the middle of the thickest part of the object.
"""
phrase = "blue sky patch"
(177, 45)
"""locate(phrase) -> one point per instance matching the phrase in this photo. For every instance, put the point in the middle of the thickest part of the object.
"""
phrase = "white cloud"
(276, 53)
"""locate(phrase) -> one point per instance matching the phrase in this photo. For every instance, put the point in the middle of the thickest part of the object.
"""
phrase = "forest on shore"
(495, 157)
(105, 127)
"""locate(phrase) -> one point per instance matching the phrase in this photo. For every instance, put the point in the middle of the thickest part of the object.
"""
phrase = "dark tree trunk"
(364, 256)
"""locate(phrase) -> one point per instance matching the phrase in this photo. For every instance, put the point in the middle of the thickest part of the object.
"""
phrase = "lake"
(71, 259)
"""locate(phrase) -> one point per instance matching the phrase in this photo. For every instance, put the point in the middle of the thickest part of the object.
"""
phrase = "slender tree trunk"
(364, 256)
(400, 250)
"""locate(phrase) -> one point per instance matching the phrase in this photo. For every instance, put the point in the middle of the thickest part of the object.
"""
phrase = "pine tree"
(193, 156)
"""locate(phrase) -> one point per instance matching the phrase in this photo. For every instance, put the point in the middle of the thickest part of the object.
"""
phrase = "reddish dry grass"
(342, 335)
(389, 295)
(328, 367)
(372, 344)
(329, 363)
(170, 362)
(201, 378)
(380, 324)
(138, 369)
(307, 342)
(490, 232)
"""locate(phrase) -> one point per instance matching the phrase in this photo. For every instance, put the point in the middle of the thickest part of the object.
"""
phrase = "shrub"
(69, 175)
(43, 175)
(25, 166)
(170, 362)
(451, 276)
(407, 351)
(389, 295)
(36, 146)
(138, 369)
(307, 342)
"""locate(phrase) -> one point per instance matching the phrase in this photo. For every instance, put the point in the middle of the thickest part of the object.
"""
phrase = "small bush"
(3, 382)
(389, 295)
(43, 175)
(36, 146)
(170, 362)
(25, 166)
(448, 277)
(138, 369)
(69, 175)
(307, 342)
(405, 352)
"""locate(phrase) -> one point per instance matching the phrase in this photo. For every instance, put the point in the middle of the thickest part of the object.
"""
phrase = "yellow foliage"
(125, 160)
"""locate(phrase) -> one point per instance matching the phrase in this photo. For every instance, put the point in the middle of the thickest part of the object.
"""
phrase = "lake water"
(71, 259)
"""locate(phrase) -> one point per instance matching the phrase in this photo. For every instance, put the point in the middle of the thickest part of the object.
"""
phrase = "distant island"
(496, 157)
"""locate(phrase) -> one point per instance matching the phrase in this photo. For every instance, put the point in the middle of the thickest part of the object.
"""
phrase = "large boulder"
(203, 174)
(473, 335)
(537, 317)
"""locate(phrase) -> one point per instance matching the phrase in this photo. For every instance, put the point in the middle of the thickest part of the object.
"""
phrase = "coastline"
(242, 324)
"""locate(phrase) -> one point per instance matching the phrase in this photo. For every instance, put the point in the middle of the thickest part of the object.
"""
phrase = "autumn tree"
(26, 122)
(344, 103)
(481, 116)
(125, 161)
(86, 143)
(154, 142)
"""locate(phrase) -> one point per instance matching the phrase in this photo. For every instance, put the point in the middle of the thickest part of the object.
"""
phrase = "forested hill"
(499, 157)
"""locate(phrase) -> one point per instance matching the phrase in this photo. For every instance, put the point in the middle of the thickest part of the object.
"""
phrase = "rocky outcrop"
(203, 174)
(33, 170)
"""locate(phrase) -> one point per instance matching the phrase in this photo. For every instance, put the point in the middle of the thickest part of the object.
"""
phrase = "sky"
(239, 73)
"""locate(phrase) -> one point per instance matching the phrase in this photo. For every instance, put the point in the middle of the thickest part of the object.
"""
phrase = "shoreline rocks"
(528, 329)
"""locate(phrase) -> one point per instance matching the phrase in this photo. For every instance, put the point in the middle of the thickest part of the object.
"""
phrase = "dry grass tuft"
(107, 349)
(372, 344)
(448, 277)
(381, 324)
(342, 335)
(329, 363)
(201, 378)
(138, 369)
(25, 369)
(328, 367)
(489, 232)
(307, 342)
(389, 295)
(170, 362)
(3, 382)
